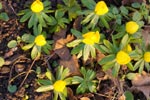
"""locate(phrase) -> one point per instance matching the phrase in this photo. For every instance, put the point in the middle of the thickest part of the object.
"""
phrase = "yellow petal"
(101, 8)
(128, 48)
(132, 27)
(147, 56)
(40, 40)
(59, 86)
(37, 6)
(122, 58)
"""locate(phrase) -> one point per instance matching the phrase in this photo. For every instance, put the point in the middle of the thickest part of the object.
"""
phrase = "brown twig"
(27, 73)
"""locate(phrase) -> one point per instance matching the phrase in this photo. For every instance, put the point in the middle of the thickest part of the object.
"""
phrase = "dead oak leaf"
(142, 82)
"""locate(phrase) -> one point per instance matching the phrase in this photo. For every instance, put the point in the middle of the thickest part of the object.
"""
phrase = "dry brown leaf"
(141, 79)
(85, 98)
(146, 35)
(123, 97)
(127, 2)
(4, 70)
(70, 94)
(142, 82)
(77, 23)
(99, 55)
(60, 34)
(63, 53)
(72, 64)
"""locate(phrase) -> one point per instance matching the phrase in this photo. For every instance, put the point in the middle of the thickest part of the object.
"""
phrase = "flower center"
(37, 6)
(40, 40)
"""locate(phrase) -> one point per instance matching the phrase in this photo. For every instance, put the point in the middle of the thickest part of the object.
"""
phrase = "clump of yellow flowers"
(91, 38)
(40, 40)
(122, 58)
(101, 8)
(132, 27)
(147, 56)
(37, 6)
(59, 86)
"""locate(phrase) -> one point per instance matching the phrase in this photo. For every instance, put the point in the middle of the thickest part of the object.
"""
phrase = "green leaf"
(124, 10)
(93, 22)
(136, 5)
(65, 73)
(77, 79)
(44, 82)
(91, 87)
(108, 45)
(141, 67)
(76, 33)
(93, 52)
(131, 76)
(74, 43)
(12, 88)
(12, 44)
(129, 95)
(0, 5)
(45, 88)
(147, 65)
(4, 16)
(87, 19)
(81, 88)
(26, 16)
(36, 52)
(27, 47)
(104, 22)
(124, 41)
(49, 75)
(28, 38)
(51, 20)
(41, 20)
(108, 65)
(86, 52)
(32, 20)
(90, 4)
(2, 61)
(115, 10)
(130, 66)
(136, 16)
(106, 59)
(115, 70)
(137, 64)
(77, 49)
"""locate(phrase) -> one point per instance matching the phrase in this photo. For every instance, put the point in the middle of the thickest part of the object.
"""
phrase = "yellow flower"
(40, 40)
(59, 86)
(91, 38)
(37, 6)
(101, 8)
(128, 48)
(147, 56)
(123, 58)
(132, 27)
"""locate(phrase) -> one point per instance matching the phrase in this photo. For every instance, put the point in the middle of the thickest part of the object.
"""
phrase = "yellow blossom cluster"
(40, 40)
(59, 86)
(37, 6)
(91, 38)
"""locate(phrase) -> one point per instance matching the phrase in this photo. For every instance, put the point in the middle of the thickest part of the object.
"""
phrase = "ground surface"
(18, 63)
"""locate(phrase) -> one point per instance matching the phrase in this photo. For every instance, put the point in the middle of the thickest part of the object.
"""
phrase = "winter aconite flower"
(132, 27)
(128, 48)
(123, 58)
(147, 56)
(91, 38)
(59, 86)
(37, 6)
(101, 8)
(40, 40)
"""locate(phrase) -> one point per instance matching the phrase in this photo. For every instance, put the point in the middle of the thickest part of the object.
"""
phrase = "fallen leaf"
(127, 2)
(60, 34)
(4, 70)
(70, 94)
(85, 98)
(142, 82)
(122, 97)
(77, 23)
(146, 35)
(72, 64)
(63, 53)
